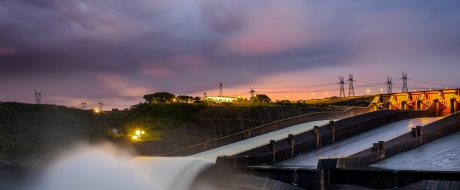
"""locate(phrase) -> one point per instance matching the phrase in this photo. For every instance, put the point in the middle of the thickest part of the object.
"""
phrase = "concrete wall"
(263, 129)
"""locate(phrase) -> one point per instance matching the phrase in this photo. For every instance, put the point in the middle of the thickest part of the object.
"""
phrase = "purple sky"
(116, 51)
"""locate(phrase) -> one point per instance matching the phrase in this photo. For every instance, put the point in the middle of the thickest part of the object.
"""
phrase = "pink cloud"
(6, 50)
(188, 62)
(123, 86)
(275, 28)
(158, 72)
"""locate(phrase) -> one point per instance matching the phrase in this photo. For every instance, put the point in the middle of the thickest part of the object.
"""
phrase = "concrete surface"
(441, 154)
(357, 143)
(257, 141)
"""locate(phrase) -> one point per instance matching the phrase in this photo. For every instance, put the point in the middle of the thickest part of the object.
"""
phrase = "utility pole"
(101, 105)
(252, 91)
(404, 78)
(83, 104)
(342, 83)
(351, 90)
(38, 97)
(204, 95)
(389, 85)
(220, 92)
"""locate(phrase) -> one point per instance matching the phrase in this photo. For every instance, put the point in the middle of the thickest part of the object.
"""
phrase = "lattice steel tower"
(252, 91)
(404, 78)
(83, 104)
(389, 85)
(351, 90)
(101, 106)
(38, 97)
(342, 84)
(220, 92)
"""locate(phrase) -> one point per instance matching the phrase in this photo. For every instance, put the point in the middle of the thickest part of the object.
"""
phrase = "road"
(441, 154)
(357, 143)
(257, 141)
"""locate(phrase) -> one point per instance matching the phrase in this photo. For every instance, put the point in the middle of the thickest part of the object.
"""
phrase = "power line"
(432, 83)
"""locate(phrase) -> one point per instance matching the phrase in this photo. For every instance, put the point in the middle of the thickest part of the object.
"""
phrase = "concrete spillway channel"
(357, 142)
(257, 141)
(441, 154)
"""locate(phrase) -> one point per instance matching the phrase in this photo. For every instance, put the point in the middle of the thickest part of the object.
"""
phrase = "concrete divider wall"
(404, 142)
(344, 128)
(270, 127)
(387, 179)
(305, 178)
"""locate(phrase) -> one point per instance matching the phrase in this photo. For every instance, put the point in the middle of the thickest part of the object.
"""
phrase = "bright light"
(238, 96)
(174, 99)
(325, 93)
(138, 132)
(96, 110)
(287, 97)
(143, 132)
(381, 89)
(299, 95)
(135, 137)
(368, 90)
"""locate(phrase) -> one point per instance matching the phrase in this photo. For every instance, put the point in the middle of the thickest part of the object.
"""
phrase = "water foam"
(105, 167)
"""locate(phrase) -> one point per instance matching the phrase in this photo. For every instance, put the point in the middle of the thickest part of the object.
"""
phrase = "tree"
(159, 97)
(260, 98)
(196, 99)
(184, 98)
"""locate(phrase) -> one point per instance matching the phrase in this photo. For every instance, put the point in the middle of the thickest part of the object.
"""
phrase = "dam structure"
(404, 140)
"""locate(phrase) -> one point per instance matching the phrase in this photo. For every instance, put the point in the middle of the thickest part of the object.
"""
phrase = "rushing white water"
(105, 167)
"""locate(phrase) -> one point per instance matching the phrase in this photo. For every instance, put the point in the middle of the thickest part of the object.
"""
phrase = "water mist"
(106, 167)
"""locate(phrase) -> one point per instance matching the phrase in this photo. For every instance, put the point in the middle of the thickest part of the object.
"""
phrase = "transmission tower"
(83, 104)
(38, 97)
(101, 105)
(220, 92)
(342, 83)
(389, 85)
(351, 90)
(252, 91)
(404, 78)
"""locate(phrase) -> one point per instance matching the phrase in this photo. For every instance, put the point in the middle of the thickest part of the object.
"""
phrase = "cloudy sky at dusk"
(116, 51)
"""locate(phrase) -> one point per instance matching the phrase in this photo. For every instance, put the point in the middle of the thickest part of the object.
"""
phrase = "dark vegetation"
(361, 101)
(31, 130)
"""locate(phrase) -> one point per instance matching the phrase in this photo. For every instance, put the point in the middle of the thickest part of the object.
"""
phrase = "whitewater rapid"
(106, 167)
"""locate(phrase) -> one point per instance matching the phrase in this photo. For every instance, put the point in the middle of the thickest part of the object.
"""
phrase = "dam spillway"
(356, 143)
(441, 154)
(257, 141)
